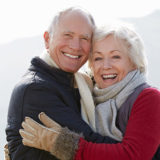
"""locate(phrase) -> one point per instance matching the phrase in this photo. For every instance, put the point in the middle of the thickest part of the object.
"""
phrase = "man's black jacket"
(49, 90)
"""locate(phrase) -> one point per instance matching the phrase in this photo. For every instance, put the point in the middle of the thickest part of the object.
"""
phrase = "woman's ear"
(46, 37)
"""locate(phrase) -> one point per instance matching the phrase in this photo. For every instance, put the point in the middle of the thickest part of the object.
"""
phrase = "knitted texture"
(109, 101)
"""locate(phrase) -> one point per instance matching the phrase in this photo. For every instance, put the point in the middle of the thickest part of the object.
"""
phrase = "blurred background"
(24, 21)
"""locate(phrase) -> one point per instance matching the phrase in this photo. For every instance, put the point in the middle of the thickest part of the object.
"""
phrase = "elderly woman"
(127, 108)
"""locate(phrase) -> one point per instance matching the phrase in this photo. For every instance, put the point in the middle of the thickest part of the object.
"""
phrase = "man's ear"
(46, 37)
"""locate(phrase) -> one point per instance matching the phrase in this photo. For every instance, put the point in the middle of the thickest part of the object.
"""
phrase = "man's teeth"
(71, 56)
(109, 76)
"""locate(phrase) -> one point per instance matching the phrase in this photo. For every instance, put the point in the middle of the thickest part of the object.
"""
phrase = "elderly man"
(50, 86)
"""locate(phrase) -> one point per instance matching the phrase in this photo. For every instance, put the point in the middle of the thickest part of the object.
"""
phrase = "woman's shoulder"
(150, 91)
(148, 97)
(147, 104)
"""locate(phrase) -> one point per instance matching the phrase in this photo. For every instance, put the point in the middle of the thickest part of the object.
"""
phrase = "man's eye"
(67, 35)
(97, 59)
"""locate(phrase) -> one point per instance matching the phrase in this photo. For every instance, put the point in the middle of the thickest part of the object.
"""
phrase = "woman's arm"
(142, 136)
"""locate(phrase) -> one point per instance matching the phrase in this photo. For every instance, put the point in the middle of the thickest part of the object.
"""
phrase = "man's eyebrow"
(83, 35)
(68, 32)
(87, 36)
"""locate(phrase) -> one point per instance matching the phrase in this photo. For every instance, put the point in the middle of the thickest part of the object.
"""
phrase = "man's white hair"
(132, 41)
(52, 27)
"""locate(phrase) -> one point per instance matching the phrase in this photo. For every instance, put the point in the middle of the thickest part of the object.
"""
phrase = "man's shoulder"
(29, 79)
(34, 79)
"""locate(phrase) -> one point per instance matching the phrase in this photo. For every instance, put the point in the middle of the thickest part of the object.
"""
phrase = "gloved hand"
(6, 152)
(59, 141)
(38, 136)
(48, 122)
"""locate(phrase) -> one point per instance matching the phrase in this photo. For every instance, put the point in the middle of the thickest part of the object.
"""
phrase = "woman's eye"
(116, 57)
(84, 38)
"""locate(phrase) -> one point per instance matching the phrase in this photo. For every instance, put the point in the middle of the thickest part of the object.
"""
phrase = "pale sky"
(27, 18)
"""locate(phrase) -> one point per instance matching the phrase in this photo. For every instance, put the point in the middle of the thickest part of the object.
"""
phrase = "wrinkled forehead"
(79, 14)
(75, 22)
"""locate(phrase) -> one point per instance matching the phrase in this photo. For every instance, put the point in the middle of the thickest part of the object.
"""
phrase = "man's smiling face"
(70, 44)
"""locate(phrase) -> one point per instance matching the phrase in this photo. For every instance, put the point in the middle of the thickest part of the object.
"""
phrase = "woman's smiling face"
(110, 62)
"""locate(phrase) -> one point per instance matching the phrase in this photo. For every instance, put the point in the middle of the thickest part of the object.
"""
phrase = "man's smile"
(71, 56)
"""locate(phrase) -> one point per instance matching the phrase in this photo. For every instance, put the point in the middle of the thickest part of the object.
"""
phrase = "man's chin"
(70, 69)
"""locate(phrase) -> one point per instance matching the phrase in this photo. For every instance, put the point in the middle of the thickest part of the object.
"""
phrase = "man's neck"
(45, 56)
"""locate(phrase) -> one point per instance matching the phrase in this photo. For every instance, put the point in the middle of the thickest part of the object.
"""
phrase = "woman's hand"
(39, 136)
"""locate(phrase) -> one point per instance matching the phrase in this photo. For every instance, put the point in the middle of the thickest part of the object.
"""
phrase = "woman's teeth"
(110, 76)
(71, 56)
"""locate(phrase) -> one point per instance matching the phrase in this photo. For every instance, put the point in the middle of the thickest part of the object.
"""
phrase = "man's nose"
(75, 44)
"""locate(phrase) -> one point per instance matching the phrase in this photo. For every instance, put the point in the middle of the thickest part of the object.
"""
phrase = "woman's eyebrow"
(97, 52)
(112, 51)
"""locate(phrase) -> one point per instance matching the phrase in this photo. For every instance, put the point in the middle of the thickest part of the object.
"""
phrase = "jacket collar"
(37, 64)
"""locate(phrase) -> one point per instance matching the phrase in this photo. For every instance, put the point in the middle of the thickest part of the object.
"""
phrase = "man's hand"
(48, 122)
(6, 152)
(38, 136)
(59, 141)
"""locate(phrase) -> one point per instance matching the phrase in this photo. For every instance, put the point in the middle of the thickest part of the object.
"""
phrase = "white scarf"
(84, 85)
(109, 101)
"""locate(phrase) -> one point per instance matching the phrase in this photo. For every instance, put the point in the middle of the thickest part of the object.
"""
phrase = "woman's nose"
(107, 64)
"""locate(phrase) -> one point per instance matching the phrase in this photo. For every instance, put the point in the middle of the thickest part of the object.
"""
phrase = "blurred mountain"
(15, 59)
(149, 29)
